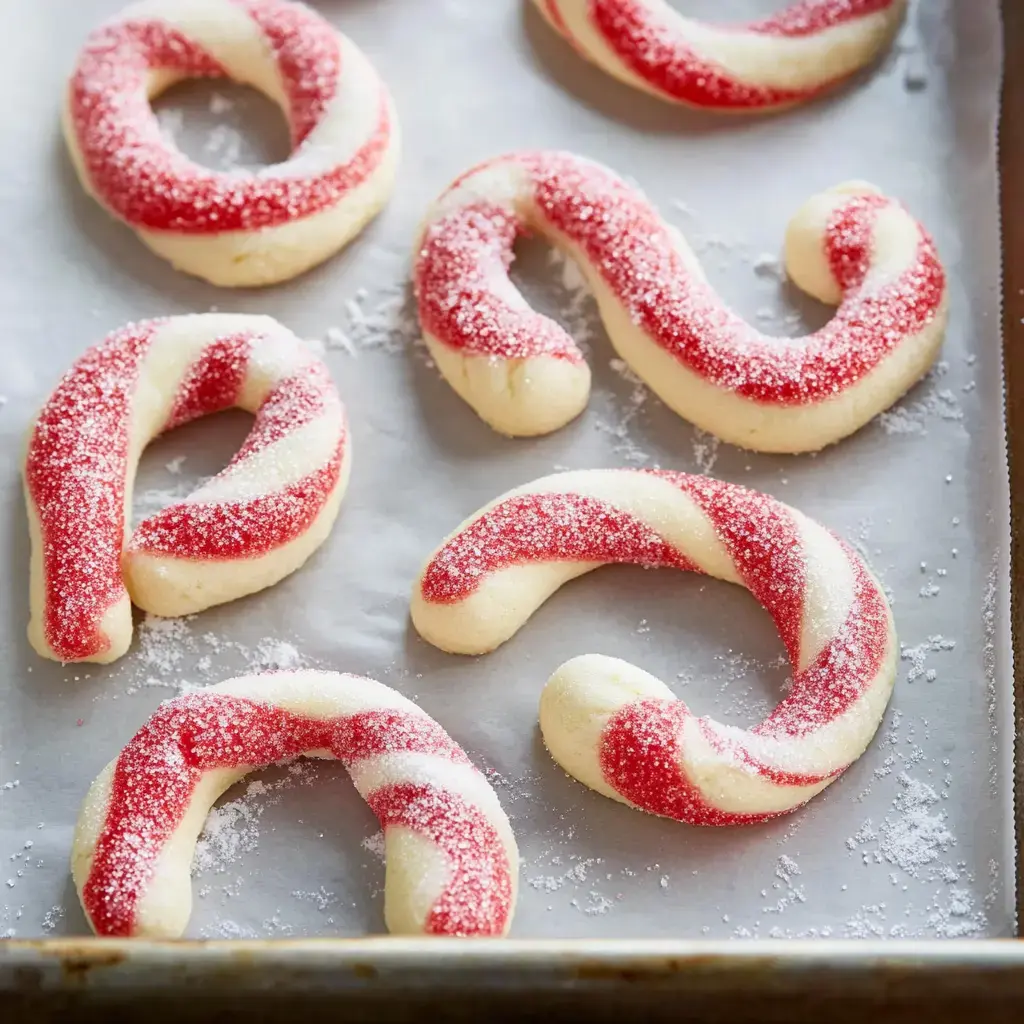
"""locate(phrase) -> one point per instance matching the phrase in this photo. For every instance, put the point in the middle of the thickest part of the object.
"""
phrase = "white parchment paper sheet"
(915, 839)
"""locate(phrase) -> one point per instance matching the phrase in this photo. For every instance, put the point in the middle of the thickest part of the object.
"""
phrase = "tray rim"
(342, 964)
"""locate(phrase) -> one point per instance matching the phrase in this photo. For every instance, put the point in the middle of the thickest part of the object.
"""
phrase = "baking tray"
(389, 977)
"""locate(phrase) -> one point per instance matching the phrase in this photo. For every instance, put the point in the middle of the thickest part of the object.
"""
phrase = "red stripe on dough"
(477, 897)
(542, 528)
(460, 271)
(223, 530)
(655, 52)
(75, 473)
(624, 238)
(810, 17)
(213, 382)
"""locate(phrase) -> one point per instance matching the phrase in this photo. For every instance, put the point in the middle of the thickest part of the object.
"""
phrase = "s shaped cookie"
(615, 727)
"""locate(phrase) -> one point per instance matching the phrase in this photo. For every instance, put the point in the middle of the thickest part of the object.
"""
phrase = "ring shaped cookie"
(618, 729)
(524, 375)
(794, 56)
(235, 227)
(452, 861)
(248, 527)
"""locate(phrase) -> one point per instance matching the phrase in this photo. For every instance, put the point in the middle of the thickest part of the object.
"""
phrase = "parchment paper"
(915, 840)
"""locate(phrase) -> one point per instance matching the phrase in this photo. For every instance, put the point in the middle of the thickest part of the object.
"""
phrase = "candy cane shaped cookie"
(235, 227)
(452, 861)
(618, 729)
(794, 56)
(250, 526)
(524, 375)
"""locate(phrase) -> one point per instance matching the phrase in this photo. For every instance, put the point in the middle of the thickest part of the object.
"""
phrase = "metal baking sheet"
(916, 840)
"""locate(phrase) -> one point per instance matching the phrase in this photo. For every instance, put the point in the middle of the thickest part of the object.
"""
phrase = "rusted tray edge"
(385, 965)
(1011, 168)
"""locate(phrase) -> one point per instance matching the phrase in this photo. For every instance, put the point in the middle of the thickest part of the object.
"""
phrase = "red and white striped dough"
(237, 227)
(243, 530)
(618, 729)
(452, 861)
(793, 56)
(524, 374)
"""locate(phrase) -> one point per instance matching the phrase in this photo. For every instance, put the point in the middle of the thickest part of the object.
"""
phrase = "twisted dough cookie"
(524, 375)
(789, 58)
(251, 525)
(452, 861)
(235, 227)
(618, 729)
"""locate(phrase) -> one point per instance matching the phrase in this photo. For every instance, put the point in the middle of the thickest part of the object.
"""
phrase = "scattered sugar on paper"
(164, 646)
(958, 917)
(385, 321)
(914, 836)
(335, 338)
(705, 450)
(918, 654)
(270, 927)
(620, 427)
(232, 828)
(170, 122)
(224, 144)
(163, 642)
(52, 918)
(220, 104)
(790, 892)
(909, 55)
(149, 502)
(748, 702)
(577, 311)
(374, 845)
(515, 788)
(769, 266)
(276, 656)
(321, 898)
(912, 415)
(594, 902)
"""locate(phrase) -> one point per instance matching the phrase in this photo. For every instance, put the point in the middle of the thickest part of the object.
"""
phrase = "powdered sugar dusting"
(380, 321)
(620, 427)
(914, 836)
(912, 416)
(374, 845)
(705, 450)
(182, 655)
(918, 654)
